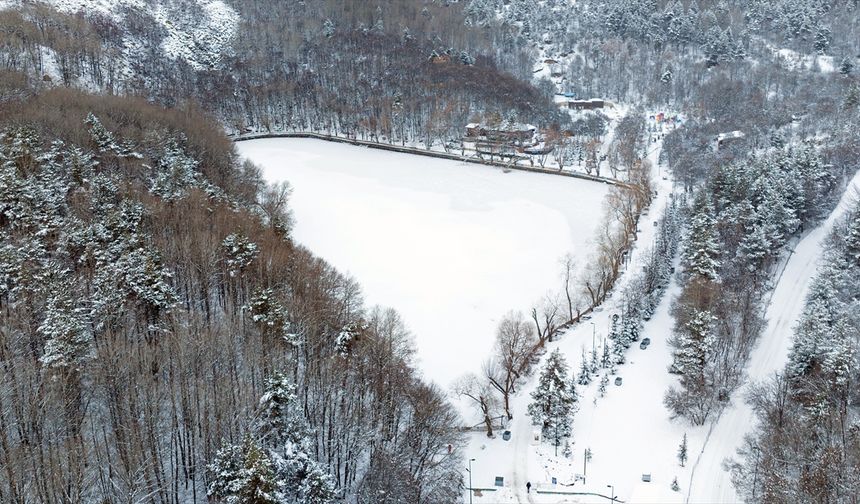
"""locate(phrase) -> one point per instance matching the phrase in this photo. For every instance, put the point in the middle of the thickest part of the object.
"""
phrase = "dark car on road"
(644, 343)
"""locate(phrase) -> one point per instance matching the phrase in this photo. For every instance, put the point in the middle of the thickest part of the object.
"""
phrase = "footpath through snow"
(628, 431)
(709, 482)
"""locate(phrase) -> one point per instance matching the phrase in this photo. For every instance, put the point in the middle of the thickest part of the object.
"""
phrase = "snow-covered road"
(709, 482)
(628, 431)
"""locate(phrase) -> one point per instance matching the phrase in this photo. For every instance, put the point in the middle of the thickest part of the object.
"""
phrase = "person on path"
(528, 487)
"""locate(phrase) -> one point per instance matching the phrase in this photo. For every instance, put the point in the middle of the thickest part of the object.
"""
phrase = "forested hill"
(396, 69)
(163, 339)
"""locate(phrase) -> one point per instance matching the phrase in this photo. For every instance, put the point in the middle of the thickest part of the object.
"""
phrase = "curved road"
(709, 482)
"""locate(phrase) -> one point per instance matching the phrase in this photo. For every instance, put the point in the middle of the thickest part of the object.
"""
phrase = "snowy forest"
(165, 339)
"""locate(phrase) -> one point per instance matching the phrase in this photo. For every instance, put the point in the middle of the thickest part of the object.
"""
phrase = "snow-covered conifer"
(103, 139)
(846, 66)
(245, 475)
(682, 451)
(285, 432)
(240, 253)
(604, 383)
(694, 344)
(702, 251)
(267, 311)
(554, 400)
(65, 329)
(584, 376)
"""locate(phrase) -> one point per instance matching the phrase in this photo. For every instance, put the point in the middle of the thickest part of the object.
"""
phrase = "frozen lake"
(450, 246)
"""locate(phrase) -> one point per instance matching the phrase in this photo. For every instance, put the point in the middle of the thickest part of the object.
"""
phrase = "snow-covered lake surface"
(451, 246)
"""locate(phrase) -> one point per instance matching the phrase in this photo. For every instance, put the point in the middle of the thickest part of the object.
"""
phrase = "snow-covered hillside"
(198, 31)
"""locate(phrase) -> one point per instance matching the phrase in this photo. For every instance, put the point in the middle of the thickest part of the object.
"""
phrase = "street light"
(593, 332)
(611, 492)
(470, 480)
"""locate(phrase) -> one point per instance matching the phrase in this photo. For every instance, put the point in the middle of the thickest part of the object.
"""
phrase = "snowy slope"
(452, 247)
(200, 32)
(710, 483)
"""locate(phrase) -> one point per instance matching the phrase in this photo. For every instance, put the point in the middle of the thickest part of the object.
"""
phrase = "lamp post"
(611, 492)
(585, 456)
(593, 332)
(470, 480)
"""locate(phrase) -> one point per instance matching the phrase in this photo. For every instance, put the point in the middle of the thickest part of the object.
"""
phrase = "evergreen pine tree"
(606, 357)
(244, 475)
(682, 451)
(584, 377)
(328, 28)
(604, 382)
(594, 362)
(259, 485)
(239, 252)
(285, 433)
(554, 400)
(666, 78)
(846, 66)
(694, 347)
(823, 37)
(65, 328)
(701, 255)
(852, 239)
(280, 421)
(755, 246)
(101, 137)
(617, 354)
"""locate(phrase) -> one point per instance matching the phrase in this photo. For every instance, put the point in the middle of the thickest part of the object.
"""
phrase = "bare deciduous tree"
(482, 394)
(273, 200)
(515, 353)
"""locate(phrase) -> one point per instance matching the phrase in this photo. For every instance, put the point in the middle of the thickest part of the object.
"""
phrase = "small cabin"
(515, 133)
(506, 132)
(474, 130)
(591, 104)
(724, 139)
(439, 59)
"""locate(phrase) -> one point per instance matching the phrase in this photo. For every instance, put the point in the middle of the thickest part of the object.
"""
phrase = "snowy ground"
(794, 60)
(451, 246)
(628, 431)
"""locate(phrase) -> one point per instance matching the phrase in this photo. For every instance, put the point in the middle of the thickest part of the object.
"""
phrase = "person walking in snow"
(528, 487)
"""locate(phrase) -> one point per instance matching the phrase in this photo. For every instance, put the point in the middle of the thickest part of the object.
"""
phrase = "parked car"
(506, 435)
(617, 380)
(644, 343)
